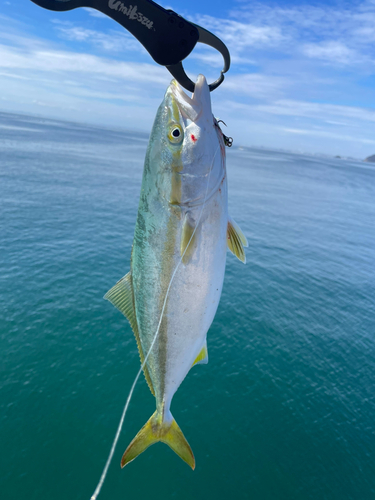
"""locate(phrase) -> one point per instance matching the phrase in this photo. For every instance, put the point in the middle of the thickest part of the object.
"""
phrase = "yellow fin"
(121, 296)
(156, 430)
(236, 240)
(202, 358)
(186, 235)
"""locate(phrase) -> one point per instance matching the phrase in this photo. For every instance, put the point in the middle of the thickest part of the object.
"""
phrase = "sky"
(302, 76)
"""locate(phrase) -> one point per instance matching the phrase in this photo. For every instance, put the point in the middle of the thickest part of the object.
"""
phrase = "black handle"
(167, 37)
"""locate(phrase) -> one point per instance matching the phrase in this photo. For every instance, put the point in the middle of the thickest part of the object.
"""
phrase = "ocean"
(285, 408)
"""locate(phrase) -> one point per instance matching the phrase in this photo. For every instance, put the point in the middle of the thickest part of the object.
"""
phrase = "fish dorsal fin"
(236, 240)
(187, 231)
(121, 296)
(202, 358)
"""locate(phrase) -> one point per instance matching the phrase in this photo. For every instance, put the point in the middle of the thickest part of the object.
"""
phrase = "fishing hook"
(228, 141)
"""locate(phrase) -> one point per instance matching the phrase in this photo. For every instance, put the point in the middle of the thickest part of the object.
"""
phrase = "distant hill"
(370, 159)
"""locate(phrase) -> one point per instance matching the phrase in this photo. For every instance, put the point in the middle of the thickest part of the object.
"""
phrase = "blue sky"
(302, 75)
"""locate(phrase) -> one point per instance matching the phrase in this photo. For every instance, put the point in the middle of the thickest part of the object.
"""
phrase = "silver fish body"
(179, 251)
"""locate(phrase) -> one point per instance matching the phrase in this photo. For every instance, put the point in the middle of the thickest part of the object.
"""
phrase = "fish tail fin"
(156, 430)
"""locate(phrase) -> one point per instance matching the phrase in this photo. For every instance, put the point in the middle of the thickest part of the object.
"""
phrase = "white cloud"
(77, 33)
(95, 13)
(322, 111)
(215, 59)
(212, 59)
(333, 52)
(112, 41)
(240, 36)
(327, 32)
(366, 34)
(326, 134)
(63, 61)
(291, 124)
(256, 85)
(12, 75)
(80, 86)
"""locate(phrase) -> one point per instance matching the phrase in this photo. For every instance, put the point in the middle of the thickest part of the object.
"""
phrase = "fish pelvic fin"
(202, 358)
(236, 240)
(156, 430)
(121, 296)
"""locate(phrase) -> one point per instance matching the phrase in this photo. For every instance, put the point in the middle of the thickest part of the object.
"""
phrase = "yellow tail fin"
(156, 430)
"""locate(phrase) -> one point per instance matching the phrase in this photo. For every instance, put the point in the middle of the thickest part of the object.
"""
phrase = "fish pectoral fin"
(236, 240)
(156, 430)
(122, 297)
(188, 239)
(202, 358)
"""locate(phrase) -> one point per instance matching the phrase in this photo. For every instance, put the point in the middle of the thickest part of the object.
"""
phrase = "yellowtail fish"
(171, 294)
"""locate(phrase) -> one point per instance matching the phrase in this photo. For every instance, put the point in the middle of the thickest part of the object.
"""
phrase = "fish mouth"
(192, 107)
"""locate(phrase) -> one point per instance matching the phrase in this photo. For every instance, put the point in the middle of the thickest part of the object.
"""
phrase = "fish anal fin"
(156, 430)
(121, 296)
(236, 240)
(188, 239)
(202, 358)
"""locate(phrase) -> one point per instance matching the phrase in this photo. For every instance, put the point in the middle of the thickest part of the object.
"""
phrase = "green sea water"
(284, 410)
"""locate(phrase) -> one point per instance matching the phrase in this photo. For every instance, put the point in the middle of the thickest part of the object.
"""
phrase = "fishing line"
(114, 444)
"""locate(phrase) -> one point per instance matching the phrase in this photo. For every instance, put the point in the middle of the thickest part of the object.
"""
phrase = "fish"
(172, 291)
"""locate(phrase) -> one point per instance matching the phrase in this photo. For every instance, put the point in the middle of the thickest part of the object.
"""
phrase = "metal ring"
(208, 38)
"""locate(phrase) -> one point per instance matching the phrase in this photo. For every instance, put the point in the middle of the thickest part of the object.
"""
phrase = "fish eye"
(175, 134)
